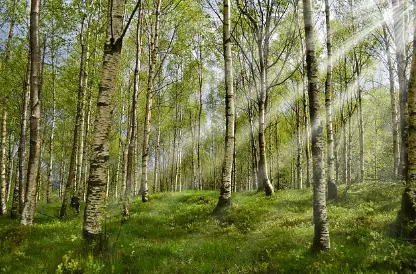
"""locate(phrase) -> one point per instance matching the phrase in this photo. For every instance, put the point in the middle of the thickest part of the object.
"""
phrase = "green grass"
(176, 233)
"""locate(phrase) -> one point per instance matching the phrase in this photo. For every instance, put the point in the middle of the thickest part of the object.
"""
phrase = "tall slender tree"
(3, 186)
(28, 211)
(69, 188)
(399, 39)
(19, 189)
(133, 117)
(393, 104)
(149, 99)
(225, 193)
(321, 239)
(332, 188)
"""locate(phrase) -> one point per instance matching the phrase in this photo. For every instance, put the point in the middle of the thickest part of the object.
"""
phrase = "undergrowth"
(177, 233)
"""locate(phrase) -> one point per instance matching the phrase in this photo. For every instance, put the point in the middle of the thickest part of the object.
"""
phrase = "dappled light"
(233, 136)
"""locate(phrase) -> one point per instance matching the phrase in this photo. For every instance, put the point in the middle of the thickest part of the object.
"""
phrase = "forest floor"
(177, 233)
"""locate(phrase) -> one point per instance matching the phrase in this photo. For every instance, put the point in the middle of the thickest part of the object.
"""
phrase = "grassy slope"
(175, 233)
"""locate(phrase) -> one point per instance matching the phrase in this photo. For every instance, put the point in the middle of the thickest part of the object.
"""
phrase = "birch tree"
(332, 188)
(149, 100)
(28, 211)
(95, 207)
(3, 187)
(321, 239)
(133, 122)
(225, 193)
(69, 188)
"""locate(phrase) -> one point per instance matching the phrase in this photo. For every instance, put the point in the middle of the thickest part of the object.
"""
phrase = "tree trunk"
(254, 167)
(97, 182)
(149, 98)
(225, 193)
(193, 170)
(270, 151)
(276, 142)
(336, 155)
(28, 211)
(263, 178)
(84, 167)
(87, 133)
(349, 149)
(49, 180)
(178, 175)
(393, 104)
(42, 73)
(71, 182)
(19, 191)
(407, 213)
(360, 120)
(157, 150)
(375, 150)
(307, 138)
(398, 18)
(361, 135)
(344, 149)
(120, 154)
(125, 152)
(299, 170)
(321, 239)
(332, 188)
(3, 186)
(234, 169)
(200, 79)
(174, 172)
(10, 167)
(82, 132)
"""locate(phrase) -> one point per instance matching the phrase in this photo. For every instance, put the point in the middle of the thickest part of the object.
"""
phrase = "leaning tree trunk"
(149, 99)
(70, 183)
(94, 213)
(3, 187)
(332, 187)
(28, 211)
(225, 193)
(321, 239)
